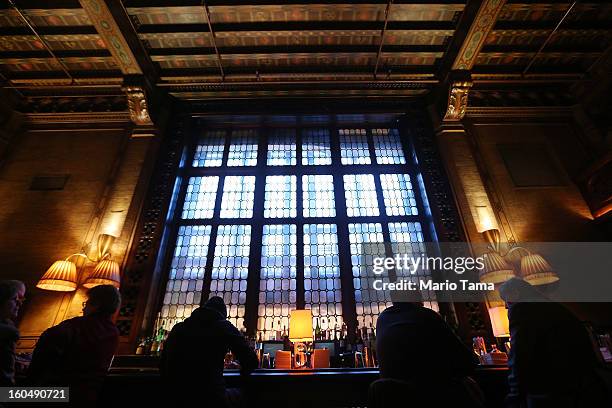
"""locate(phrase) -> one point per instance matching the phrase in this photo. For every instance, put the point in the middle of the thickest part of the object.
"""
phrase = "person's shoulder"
(8, 331)
(227, 326)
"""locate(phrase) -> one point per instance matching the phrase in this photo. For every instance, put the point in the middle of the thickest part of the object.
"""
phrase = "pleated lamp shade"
(536, 270)
(105, 273)
(60, 277)
(496, 269)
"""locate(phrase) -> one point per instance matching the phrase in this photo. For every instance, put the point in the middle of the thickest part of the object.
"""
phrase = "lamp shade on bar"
(105, 273)
(536, 270)
(496, 269)
(499, 321)
(60, 277)
(300, 325)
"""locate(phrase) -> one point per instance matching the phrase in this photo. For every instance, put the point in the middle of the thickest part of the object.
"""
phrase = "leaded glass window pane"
(398, 194)
(231, 269)
(322, 291)
(281, 148)
(280, 197)
(318, 196)
(200, 197)
(407, 238)
(238, 195)
(388, 146)
(366, 242)
(243, 148)
(316, 148)
(277, 285)
(209, 151)
(222, 184)
(354, 146)
(360, 194)
(184, 287)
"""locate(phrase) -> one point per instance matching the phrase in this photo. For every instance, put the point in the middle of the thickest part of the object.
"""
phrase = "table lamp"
(300, 331)
(499, 321)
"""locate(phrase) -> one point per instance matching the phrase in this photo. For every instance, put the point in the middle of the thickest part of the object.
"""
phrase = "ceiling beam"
(102, 18)
(477, 21)
(140, 74)
(481, 26)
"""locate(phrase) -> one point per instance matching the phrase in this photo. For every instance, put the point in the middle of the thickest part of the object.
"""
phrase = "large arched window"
(273, 218)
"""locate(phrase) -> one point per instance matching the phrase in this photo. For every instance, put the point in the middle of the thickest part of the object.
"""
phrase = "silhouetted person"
(415, 345)
(193, 356)
(78, 352)
(552, 361)
(12, 294)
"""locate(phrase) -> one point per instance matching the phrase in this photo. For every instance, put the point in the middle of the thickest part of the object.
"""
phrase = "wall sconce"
(62, 275)
(533, 268)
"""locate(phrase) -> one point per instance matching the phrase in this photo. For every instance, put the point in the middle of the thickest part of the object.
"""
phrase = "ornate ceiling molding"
(137, 105)
(457, 100)
(479, 30)
(76, 117)
(497, 112)
(110, 32)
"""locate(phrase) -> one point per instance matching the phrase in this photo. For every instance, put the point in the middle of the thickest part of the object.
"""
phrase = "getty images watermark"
(414, 273)
(449, 272)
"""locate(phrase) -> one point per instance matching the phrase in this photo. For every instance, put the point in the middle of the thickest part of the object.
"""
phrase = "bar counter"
(136, 378)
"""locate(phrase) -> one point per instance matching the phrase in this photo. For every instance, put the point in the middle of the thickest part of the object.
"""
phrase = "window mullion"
(299, 278)
(349, 315)
(257, 222)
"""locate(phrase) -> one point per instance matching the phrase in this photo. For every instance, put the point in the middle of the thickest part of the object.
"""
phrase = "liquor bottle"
(286, 341)
(163, 336)
(336, 339)
(373, 346)
(349, 341)
(279, 334)
(359, 342)
(154, 351)
(317, 331)
(141, 346)
(341, 341)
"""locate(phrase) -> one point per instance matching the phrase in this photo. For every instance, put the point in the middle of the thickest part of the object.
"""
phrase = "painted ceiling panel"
(42, 18)
(56, 42)
(554, 12)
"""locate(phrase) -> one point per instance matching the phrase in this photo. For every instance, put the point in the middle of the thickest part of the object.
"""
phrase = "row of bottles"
(154, 344)
(363, 340)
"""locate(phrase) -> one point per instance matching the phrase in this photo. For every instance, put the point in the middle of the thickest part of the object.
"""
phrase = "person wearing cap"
(78, 352)
(193, 357)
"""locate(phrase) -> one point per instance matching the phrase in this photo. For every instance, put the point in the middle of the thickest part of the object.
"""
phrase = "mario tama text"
(428, 284)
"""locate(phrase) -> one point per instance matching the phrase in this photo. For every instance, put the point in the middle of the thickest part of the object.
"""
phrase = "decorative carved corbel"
(137, 105)
(457, 100)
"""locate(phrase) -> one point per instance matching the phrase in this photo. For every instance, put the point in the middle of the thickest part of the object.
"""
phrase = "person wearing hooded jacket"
(192, 360)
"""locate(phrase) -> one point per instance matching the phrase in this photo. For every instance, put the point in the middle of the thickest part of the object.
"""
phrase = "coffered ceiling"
(228, 49)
